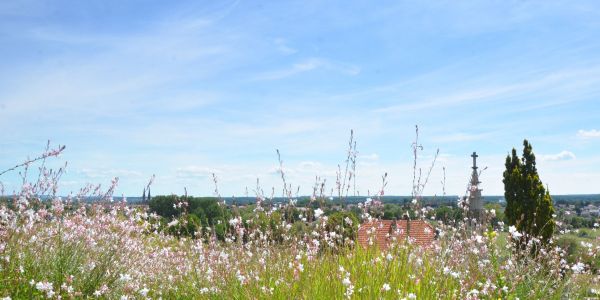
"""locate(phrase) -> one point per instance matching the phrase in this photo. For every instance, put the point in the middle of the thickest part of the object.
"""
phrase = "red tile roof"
(384, 232)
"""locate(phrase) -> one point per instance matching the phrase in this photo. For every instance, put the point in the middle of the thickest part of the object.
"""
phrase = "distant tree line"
(205, 216)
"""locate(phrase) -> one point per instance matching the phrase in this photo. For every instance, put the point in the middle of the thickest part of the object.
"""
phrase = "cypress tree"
(511, 191)
(528, 204)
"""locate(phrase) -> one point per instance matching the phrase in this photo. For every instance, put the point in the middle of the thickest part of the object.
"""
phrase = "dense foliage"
(528, 204)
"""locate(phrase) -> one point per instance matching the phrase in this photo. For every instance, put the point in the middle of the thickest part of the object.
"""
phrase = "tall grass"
(67, 249)
(116, 253)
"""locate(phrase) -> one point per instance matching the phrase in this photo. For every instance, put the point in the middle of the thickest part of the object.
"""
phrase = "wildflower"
(514, 233)
(125, 277)
(412, 296)
(346, 281)
(234, 222)
(172, 223)
(386, 287)
(578, 268)
(348, 221)
(144, 291)
(43, 286)
(479, 239)
(318, 212)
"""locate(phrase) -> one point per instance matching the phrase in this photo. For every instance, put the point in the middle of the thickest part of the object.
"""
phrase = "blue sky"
(181, 90)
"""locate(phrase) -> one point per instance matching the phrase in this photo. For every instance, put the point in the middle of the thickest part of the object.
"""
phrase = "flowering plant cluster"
(55, 248)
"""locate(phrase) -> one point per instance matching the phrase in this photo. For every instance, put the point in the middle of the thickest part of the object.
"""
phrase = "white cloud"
(588, 134)
(307, 65)
(558, 80)
(108, 173)
(461, 137)
(195, 172)
(563, 155)
(370, 157)
(284, 48)
(309, 165)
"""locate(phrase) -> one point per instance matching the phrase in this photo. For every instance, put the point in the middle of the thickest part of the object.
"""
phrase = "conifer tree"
(528, 204)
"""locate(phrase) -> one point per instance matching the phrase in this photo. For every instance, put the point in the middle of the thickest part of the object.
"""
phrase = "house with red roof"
(384, 232)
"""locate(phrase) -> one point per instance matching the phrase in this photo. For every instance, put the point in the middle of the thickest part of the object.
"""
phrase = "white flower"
(125, 277)
(386, 287)
(346, 281)
(234, 221)
(479, 239)
(412, 296)
(44, 286)
(578, 268)
(513, 231)
(318, 213)
(172, 223)
(144, 291)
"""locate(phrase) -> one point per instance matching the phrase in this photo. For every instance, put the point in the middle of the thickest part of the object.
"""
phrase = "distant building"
(590, 211)
(385, 232)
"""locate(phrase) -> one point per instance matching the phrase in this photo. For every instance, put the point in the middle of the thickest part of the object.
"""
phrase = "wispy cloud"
(194, 171)
(188, 89)
(308, 65)
(369, 157)
(506, 92)
(563, 155)
(282, 46)
(588, 134)
(103, 173)
(460, 137)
